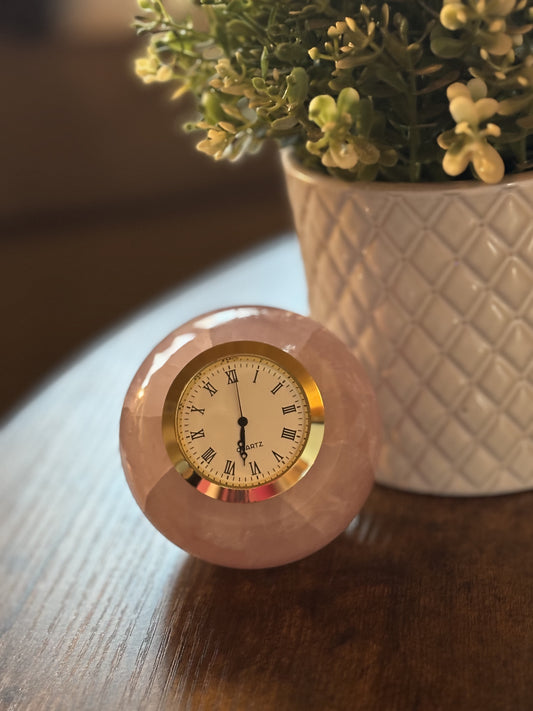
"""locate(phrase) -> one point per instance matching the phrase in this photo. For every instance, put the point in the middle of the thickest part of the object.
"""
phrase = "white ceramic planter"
(432, 287)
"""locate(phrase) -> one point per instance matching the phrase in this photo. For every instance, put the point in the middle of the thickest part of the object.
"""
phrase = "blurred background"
(104, 204)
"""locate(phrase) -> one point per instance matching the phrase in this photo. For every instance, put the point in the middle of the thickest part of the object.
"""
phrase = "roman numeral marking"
(230, 467)
(279, 458)
(201, 410)
(210, 389)
(288, 433)
(276, 388)
(208, 455)
(232, 376)
(288, 409)
(197, 435)
(255, 468)
(255, 376)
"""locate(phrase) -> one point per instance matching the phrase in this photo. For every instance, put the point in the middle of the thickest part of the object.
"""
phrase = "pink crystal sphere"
(293, 524)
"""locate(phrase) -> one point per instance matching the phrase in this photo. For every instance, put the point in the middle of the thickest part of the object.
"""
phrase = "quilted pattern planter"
(432, 287)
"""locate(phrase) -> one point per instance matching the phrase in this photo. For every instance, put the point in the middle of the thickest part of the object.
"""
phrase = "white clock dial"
(243, 421)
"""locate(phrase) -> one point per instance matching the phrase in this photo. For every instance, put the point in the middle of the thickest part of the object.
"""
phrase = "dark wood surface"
(83, 134)
(102, 199)
(423, 604)
(66, 281)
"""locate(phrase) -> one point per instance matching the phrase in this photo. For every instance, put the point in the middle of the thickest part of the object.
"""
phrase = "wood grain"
(422, 604)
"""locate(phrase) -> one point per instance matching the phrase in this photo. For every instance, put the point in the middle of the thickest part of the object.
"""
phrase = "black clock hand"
(241, 444)
(242, 422)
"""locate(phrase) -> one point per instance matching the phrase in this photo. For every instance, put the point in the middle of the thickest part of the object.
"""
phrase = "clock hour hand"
(241, 444)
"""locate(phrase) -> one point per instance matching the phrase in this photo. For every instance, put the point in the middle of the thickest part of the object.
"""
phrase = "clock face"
(243, 421)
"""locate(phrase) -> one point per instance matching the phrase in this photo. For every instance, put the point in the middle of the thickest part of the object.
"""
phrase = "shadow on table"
(418, 600)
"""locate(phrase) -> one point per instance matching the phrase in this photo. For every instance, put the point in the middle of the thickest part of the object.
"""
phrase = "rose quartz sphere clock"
(249, 437)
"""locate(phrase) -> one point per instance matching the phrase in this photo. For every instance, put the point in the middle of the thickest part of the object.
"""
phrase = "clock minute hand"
(242, 422)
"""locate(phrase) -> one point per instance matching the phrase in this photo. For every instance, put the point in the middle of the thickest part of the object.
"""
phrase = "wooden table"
(423, 604)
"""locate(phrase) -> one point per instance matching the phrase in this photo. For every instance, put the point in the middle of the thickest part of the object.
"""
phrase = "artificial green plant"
(404, 90)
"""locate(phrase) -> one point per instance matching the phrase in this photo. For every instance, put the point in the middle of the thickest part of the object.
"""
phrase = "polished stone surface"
(290, 525)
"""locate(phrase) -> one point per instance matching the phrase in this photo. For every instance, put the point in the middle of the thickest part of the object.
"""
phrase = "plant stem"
(414, 131)
(520, 151)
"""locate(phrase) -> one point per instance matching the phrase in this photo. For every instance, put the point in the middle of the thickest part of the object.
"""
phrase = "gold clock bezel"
(286, 479)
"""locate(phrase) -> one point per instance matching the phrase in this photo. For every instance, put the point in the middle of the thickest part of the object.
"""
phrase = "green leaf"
(511, 106)
(440, 83)
(238, 28)
(347, 101)
(397, 50)
(259, 84)
(291, 52)
(525, 122)
(323, 110)
(445, 45)
(428, 69)
(391, 77)
(285, 123)
(297, 86)
(366, 151)
(388, 157)
(364, 117)
(264, 63)
(213, 111)
(367, 173)
(349, 61)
